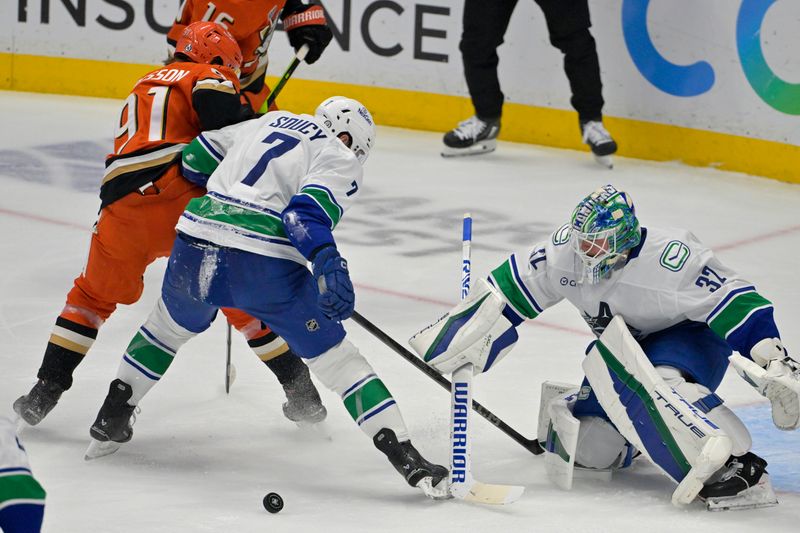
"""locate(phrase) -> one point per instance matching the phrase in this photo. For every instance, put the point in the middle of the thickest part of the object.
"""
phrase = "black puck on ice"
(273, 502)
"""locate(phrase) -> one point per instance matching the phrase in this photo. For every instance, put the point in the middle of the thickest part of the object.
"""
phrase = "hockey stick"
(462, 484)
(296, 60)
(532, 445)
(230, 370)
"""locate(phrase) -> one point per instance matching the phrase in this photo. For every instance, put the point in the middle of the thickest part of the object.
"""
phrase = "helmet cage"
(603, 227)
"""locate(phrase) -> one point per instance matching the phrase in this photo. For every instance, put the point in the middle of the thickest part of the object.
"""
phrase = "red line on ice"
(417, 298)
(45, 220)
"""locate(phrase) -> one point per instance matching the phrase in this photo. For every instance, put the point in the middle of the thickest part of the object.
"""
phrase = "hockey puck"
(273, 502)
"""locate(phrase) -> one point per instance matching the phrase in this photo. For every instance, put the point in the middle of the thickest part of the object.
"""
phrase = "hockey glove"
(306, 24)
(336, 297)
(777, 378)
(475, 331)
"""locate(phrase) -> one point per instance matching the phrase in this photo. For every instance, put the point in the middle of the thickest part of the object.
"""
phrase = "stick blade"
(489, 494)
(99, 449)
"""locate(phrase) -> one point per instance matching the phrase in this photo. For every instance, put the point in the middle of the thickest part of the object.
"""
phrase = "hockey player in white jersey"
(650, 386)
(278, 187)
(21, 496)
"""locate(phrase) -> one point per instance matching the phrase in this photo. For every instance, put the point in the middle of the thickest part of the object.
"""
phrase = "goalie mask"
(345, 115)
(211, 43)
(603, 227)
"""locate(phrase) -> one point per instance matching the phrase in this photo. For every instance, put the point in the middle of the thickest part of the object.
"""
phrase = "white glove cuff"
(767, 350)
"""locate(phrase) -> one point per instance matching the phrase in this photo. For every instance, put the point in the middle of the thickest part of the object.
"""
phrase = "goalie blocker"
(477, 331)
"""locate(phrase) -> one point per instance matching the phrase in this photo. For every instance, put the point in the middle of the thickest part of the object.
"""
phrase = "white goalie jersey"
(671, 277)
(256, 168)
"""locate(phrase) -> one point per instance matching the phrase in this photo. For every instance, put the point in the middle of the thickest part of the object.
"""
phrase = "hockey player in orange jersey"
(142, 195)
(252, 23)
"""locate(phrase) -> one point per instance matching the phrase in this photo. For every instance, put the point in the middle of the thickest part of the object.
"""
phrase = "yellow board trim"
(437, 112)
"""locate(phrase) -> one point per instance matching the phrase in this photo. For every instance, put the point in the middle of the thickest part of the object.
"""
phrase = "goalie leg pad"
(558, 429)
(711, 405)
(345, 371)
(668, 429)
(477, 331)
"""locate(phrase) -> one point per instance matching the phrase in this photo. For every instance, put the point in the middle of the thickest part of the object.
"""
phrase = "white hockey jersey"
(17, 485)
(671, 277)
(257, 167)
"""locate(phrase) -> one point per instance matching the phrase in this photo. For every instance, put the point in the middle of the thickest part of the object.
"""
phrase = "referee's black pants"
(568, 22)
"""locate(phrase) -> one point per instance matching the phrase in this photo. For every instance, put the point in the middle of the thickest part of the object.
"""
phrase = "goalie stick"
(461, 484)
(230, 370)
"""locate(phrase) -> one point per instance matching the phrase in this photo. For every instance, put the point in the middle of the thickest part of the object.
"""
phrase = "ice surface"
(202, 461)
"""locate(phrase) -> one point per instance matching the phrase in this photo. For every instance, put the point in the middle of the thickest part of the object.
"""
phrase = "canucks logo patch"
(675, 256)
(561, 235)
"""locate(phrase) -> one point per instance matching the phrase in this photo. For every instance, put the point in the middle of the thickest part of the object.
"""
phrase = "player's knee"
(164, 327)
(578, 43)
(599, 444)
(479, 51)
(340, 367)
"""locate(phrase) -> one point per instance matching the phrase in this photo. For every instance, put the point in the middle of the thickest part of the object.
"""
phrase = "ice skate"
(415, 469)
(303, 405)
(114, 424)
(471, 137)
(599, 140)
(742, 484)
(35, 405)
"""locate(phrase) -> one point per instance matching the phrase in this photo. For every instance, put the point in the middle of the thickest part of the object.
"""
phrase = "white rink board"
(413, 45)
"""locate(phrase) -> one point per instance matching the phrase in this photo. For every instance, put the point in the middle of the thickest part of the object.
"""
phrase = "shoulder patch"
(561, 235)
(674, 256)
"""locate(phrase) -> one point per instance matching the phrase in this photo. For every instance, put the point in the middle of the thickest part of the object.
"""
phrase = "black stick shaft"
(532, 445)
(296, 60)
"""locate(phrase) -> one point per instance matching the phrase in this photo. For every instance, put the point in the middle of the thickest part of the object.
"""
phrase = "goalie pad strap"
(708, 403)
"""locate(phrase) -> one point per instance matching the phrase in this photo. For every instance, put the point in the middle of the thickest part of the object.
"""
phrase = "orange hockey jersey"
(166, 109)
(251, 22)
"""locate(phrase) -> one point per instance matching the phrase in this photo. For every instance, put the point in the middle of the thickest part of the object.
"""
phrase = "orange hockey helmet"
(209, 42)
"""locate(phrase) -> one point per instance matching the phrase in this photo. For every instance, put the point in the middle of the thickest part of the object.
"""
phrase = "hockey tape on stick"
(532, 445)
(296, 60)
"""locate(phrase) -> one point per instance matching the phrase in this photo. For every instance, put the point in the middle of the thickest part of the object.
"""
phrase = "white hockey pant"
(344, 370)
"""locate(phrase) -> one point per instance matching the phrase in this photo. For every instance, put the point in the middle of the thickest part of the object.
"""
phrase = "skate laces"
(470, 128)
(595, 133)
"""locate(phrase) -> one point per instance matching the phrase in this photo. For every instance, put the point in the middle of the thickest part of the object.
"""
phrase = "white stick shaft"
(461, 392)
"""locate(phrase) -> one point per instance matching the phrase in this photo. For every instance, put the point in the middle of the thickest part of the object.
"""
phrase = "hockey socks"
(345, 371)
(151, 351)
(69, 343)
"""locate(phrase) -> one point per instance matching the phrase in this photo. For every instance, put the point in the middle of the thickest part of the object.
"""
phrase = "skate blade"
(20, 424)
(434, 492)
(483, 147)
(606, 161)
(99, 449)
(756, 497)
(318, 430)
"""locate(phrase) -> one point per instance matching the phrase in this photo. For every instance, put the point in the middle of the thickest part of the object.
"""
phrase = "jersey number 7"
(284, 144)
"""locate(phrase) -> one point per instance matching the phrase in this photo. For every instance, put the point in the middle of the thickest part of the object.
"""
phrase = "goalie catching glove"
(775, 376)
(475, 331)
